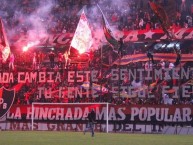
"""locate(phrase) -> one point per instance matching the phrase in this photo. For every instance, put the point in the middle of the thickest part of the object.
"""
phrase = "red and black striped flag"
(108, 34)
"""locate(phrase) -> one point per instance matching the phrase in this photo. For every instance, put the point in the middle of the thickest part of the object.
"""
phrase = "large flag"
(4, 45)
(82, 39)
(171, 57)
(108, 32)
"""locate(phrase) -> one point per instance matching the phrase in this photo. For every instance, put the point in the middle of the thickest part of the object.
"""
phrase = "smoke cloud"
(35, 20)
(31, 21)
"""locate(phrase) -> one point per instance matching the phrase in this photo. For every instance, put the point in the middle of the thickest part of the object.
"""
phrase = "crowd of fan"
(29, 92)
(63, 17)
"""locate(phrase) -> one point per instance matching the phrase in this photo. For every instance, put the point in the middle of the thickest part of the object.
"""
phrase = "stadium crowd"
(131, 15)
(29, 92)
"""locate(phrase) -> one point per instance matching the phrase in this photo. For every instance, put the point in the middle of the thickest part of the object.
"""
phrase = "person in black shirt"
(178, 58)
(91, 120)
(120, 51)
(51, 57)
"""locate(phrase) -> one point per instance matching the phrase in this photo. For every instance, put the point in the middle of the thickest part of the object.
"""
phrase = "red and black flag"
(6, 100)
(107, 32)
(162, 17)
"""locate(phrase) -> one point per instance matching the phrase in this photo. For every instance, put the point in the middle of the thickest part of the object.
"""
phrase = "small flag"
(107, 31)
(163, 19)
(96, 87)
(4, 45)
(82, 39)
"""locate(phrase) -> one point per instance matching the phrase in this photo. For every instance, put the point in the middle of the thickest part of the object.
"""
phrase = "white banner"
(82, 39)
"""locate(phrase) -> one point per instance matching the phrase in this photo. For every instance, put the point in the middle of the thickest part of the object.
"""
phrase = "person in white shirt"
(66, 59)
(148, 65)
(171, 65)
(162, 63)
(167, 100)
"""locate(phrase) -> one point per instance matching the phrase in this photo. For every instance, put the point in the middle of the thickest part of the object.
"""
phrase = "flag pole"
(101, 55)
(101, 52)
(119, 67)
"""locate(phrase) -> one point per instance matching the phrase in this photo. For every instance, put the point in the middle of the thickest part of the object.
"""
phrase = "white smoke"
(39, 21)
(35, 22)
(32, 23)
